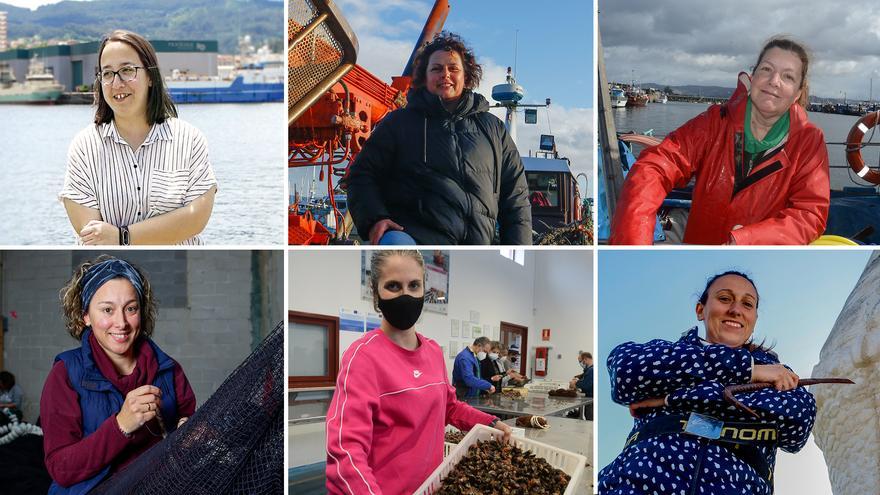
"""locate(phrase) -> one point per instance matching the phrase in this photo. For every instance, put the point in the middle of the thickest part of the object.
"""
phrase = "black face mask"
(402, 311)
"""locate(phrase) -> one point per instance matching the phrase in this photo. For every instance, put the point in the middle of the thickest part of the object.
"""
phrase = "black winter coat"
(447, 178)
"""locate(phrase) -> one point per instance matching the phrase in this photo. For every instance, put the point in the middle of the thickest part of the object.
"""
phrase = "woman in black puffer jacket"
(442, 170)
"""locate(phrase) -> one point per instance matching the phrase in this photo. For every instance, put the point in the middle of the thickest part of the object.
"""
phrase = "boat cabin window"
(543, 189)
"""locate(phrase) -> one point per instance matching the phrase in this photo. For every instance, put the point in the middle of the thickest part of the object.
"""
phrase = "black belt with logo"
(741, 439)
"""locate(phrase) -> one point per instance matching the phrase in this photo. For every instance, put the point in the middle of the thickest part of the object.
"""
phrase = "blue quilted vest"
(99, 399)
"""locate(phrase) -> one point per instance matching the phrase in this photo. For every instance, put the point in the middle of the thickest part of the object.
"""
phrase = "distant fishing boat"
(618, 98)
(40, 85)
(636, 98)
(252, 83)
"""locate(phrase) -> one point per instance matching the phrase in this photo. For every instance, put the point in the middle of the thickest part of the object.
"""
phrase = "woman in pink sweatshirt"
(393, 399)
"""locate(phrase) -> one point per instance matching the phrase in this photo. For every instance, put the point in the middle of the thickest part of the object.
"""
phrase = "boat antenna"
(515, 49)
(549, 127)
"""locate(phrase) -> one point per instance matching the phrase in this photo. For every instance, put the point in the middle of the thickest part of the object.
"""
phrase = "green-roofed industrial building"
(74, 65)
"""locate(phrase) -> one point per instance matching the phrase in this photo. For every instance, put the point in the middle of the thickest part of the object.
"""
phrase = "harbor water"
(665, 118)
(246, 144)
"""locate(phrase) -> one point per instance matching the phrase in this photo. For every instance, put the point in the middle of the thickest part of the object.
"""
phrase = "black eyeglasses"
(126, 74)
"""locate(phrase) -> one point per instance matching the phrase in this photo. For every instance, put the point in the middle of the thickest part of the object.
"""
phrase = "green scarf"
(777, 132)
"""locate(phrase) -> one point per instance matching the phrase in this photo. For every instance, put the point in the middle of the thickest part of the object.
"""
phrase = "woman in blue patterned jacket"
(686, 439)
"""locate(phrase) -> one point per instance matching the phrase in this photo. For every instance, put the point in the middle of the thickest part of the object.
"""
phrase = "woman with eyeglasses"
(138, 174)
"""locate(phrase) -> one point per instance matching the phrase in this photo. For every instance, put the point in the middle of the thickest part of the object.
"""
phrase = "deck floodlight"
(531, 115)
(548, 142)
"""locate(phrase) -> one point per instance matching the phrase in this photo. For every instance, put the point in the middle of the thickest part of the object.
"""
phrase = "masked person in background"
(393, 400)
(584, 381)
(466, 375)
(493, 368)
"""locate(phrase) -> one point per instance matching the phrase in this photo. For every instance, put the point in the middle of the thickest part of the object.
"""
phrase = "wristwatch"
(124, 236)
(493, 423)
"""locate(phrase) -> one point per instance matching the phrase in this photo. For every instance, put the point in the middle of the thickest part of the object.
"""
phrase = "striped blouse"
(169, 170)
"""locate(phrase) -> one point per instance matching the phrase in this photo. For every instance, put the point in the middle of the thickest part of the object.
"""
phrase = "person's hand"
(491, 389)
(495, 378)
(572, 383)
(379, 228)
(646, 404)
(97, 233)
(182, 420)
(781, 377)
(505, 429)
(140, 406)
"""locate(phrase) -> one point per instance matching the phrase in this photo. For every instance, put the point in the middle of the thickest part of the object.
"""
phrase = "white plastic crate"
(569, 462)
(447, 447)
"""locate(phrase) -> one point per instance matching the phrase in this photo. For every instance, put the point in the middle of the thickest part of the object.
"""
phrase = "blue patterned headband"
(99, 273)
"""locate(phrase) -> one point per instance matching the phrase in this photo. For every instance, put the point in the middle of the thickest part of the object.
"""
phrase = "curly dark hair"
(71, 301)
(449, 42)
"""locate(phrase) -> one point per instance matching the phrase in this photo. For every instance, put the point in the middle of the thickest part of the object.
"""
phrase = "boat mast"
(508, 96)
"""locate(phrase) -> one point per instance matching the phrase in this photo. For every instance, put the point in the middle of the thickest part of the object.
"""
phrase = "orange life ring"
(854, 147)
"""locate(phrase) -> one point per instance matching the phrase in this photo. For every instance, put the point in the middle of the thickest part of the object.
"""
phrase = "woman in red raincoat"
(760, 167)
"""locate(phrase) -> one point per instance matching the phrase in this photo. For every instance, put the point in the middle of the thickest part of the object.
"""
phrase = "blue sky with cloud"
(554, 56)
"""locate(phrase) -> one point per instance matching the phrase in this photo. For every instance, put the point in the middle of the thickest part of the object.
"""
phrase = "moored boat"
(618, 98)
(39, 86)
(254, 83)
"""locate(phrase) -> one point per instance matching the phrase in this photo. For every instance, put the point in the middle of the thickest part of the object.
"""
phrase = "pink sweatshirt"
(386, 421)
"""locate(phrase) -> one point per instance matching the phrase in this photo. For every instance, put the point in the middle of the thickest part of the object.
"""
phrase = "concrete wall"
(553, 290)
(209, 336)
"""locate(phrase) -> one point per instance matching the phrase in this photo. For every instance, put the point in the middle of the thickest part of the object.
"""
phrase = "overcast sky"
(679, 42)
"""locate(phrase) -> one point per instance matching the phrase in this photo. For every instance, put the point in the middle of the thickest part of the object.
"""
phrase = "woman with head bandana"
(393, 398)
(109, 400)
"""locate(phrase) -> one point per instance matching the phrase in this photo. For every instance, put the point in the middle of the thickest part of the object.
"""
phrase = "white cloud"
(572, 127)
(30, 4)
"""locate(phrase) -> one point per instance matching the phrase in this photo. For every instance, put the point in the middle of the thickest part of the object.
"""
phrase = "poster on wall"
(453, 332)
(475, 316)
(374, 320)
(351, 321)
(453, 349)
(436, 279)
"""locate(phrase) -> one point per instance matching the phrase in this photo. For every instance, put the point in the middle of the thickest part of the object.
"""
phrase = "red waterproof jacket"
(783, 199)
